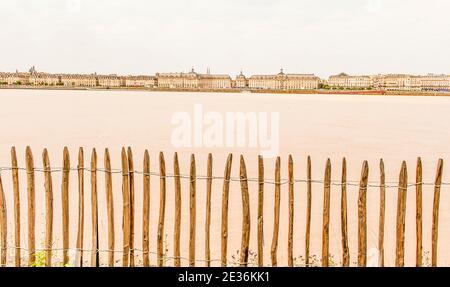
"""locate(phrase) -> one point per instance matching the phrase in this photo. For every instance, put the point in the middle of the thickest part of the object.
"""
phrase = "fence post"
(435, 227)
(362, 216)
(109, 208)
(128, 205)
(177, 226)
(276, 221)
(48, 209)
(291, 213)
(132, 204)
(15, 176)
(382, 214)
(31, 207)
(225, 196)
(401, 210)
(65, 205)
(344, 228)
(260, 211)
(419, 184)
(209, 175)
(326, 216)
(308, 210)
(126, 209)
(3, 225)
(80, 231)
(146, 211)
(192, 212)
(245, 215)
(162, 210)
(94, 208)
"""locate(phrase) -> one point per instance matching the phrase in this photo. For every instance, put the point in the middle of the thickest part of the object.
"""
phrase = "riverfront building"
(108, 81)
(433, 82)
(193, 80)
(77, 80)
(139, 81)
(392, 82)
(177, 80)
(403, 82)
(210, 81)
(43, 79)
(9, 79)
(283, 81)
(241, 81)
(352, 82)
(14, 78)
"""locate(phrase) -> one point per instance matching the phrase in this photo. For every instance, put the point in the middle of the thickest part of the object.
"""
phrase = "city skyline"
(144, 37)
(193, 80)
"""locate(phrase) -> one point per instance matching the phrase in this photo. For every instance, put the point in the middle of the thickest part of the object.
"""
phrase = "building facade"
(14, 78)
(301, 82)
(193, 80)
(265, 82)
(177, 80)
(399, 82)
(139, 81)
(9, 79)
(350, 82)
(241, 81)
(43, 79)
(433, 82)
(404, 82)
(77, 80)
(107, 81)
(214, 82)
(284, 81)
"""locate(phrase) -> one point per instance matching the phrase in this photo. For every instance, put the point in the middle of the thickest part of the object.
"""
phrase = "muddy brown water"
(357, 127)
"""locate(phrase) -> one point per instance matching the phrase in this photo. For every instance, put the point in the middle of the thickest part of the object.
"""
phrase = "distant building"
(9, 78)
(43, 79)
(301, 82)
(241, 81)
(193, 80)
(139, 81)
(266, 82)
(22, 78)
(214, 81)
(353, 82)
(432, 82)
(397, 82)
(108, 81)
(402, 82)
(77, 80)
(178, 80)
(283, 81)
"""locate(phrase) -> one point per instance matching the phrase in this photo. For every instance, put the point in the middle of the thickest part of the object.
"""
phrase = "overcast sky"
(258, 36)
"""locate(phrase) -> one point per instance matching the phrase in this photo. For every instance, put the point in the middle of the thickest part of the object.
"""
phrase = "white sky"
(258, 36)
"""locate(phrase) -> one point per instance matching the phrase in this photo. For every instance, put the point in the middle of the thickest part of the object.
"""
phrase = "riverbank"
(299, 92)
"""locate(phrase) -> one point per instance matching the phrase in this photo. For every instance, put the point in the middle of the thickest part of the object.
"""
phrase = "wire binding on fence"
(166, 257)
(232, 179)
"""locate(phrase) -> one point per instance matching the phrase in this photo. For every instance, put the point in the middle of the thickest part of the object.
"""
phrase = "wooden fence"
(129, 220)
